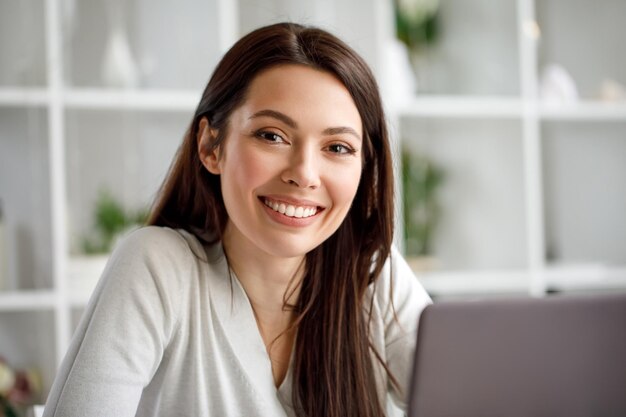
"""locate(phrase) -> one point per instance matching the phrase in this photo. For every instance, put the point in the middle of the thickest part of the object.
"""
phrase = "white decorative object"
(399, 74)
(557, 85)
(611, 90)
(119, 68)
(84, 273)
(37, 411)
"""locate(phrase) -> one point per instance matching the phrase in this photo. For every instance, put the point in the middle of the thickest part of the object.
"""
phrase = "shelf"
(79, 297)
(584, 110)
(561, 278)
(462, 107)
(585, 277)
(27, 300)
(23, 97)
(475, 283)
(161, 100)
(421, 106)
(498, 107)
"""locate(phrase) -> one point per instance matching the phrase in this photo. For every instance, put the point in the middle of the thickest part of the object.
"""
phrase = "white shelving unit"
(530, 136)
(63, 133)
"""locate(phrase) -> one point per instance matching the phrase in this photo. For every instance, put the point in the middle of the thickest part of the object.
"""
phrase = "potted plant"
(421, 181)
(111, 221)
(417, 27)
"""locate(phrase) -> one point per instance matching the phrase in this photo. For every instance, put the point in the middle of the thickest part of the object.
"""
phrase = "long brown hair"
(333, 374)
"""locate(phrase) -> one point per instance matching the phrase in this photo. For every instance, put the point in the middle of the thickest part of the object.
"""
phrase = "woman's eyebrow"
(341, 130)
(276, 115)
(292, 123)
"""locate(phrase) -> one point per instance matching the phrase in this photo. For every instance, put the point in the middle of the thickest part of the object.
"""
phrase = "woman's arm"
(124, 331)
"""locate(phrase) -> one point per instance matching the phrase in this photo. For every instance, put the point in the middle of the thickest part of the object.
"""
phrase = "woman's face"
(291, 163)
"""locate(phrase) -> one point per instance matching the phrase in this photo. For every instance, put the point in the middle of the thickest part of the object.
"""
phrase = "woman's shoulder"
(396, 272)
(156, 237)
(160, 244)
(397, 285)
(155, 255)
(164, 265)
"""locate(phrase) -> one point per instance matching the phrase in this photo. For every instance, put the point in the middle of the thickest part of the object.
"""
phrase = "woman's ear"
(210, 159)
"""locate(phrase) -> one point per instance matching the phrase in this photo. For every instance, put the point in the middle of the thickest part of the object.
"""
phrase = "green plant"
(421, 180)
(110, 220)
(417, 23)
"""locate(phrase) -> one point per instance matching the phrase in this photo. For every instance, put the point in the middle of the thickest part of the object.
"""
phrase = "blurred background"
(508, 121)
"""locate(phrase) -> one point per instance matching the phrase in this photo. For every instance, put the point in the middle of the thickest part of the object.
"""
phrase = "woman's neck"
(270, 281)
(271, 284)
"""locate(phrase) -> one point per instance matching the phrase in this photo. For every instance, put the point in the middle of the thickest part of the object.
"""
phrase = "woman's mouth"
(290, 210)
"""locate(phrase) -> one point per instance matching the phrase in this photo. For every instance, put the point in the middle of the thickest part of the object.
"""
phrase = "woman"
(266, 284)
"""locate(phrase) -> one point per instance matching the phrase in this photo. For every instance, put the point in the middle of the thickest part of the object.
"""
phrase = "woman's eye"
(270, 136)
(340, 149)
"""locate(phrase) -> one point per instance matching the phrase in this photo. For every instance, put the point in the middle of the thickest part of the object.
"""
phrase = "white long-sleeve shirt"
(168, 333)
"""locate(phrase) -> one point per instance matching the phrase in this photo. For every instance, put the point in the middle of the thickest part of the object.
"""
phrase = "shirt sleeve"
(409, 298)
(124, 331)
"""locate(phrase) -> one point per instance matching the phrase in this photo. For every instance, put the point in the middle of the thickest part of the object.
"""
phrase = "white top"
(167, 333)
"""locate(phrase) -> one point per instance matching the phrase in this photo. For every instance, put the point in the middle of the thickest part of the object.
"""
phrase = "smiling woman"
(266, 284)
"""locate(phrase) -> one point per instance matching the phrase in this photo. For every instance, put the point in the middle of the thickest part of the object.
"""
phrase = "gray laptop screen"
(557, 356)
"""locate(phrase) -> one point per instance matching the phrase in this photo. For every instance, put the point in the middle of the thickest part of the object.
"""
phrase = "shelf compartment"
(482, 225)
(338, 17)
(467, 61)
(125, 153)
(586, 39)
(26, 343)
(22, 46)
(585, 202)
(173, 46)
(25, 195)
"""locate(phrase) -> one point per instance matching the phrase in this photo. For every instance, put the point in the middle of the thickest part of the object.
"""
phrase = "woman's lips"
(290, 210)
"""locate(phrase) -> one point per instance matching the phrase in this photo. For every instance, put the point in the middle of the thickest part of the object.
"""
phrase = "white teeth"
(289, 210)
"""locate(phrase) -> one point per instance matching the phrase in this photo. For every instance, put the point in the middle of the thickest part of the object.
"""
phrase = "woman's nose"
(303, 169)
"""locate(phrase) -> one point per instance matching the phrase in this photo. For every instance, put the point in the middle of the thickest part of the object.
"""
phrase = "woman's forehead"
(302, 92)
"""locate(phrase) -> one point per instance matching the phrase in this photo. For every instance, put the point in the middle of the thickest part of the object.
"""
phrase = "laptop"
(562, 355)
